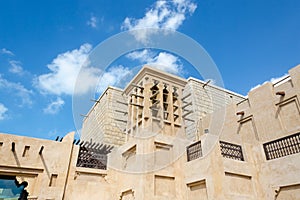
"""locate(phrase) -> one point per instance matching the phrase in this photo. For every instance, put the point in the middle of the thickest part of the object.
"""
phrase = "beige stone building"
(164, 137)
(152, 100)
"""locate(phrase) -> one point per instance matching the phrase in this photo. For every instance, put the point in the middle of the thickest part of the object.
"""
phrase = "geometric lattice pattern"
(282, 147)
(91, 157)
(194, 151)
(232, 151)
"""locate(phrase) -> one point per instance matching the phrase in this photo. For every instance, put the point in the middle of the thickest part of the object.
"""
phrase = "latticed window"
(233, 151)
(282, 147)
(194, 151)
(90, 157)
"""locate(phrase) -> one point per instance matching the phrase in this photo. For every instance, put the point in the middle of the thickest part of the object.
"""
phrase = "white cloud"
(3, 111)
(54, 107)
(17, 89)
(117, 76)
(5, 51)
(92, 22)
(272, 80)
(16, 67)
(167, 62)
(163, 61)
(64, 71)
(143, 56)
(164, 14)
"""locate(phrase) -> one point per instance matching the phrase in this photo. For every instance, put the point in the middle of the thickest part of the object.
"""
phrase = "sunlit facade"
(165, 137)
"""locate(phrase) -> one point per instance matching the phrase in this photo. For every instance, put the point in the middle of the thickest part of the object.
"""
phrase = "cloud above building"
(17, 89)
(16, 67)
(64, 70)
(73, 66)
(117, 76)
(54, 106)
(163, 60)
(162, 14)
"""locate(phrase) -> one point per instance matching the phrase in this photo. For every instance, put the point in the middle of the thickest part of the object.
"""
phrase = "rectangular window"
(232, 151)
(194, 151)
(282, 147)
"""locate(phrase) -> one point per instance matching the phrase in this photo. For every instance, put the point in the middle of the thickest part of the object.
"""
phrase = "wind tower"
(154, 103)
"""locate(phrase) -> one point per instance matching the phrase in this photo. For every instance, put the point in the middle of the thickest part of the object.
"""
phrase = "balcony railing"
(194, 151)
(282, 147)
(232, 151)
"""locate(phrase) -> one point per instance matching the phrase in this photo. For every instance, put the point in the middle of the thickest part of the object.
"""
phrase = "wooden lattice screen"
(282, 147)
(92, 155)
(232, 151)
(194, 151)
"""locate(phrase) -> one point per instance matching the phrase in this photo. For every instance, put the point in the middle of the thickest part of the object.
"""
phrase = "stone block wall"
(205, 99)
(106, 121)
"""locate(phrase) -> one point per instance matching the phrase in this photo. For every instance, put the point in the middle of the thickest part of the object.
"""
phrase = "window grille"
(282, 147)
(194, 151)
(90, 157)
(232, 151)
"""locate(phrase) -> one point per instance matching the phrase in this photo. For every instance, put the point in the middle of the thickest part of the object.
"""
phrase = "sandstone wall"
(106, 121)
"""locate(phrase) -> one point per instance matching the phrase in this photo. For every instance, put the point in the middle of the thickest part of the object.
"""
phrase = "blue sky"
(44, 43)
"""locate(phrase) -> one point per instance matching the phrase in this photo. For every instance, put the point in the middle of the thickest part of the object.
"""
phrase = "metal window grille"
(93, 157)
(232, 151)
(282, 147)
(194, 151)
